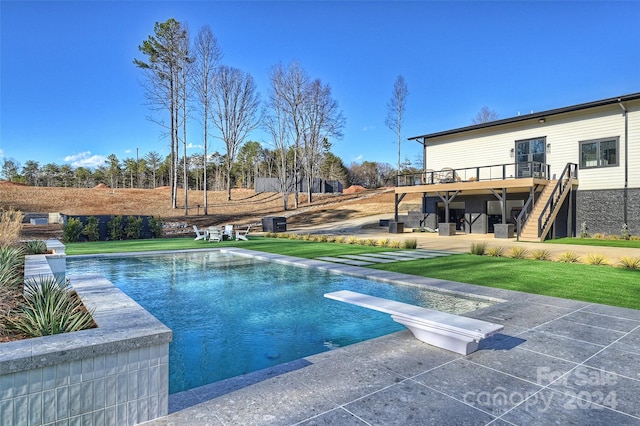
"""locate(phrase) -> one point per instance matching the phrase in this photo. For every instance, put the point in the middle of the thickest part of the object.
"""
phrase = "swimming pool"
(234, 314)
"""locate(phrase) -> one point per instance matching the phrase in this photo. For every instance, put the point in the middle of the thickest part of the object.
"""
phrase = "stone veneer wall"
(115, 374)
(603, 211)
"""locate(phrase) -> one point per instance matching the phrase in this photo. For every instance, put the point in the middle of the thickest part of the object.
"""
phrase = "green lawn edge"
(596, 242)
(589, 283)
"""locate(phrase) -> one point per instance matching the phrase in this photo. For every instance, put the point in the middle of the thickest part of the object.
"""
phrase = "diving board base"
(439, 338)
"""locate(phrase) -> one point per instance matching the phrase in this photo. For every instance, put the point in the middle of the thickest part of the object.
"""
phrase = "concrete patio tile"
(402, 354)
(282, 400)
(630, 342)
(372, 259)
(614, 311)
(595, 388)
(586, 333)
(558, 346)
(617, 361)
(339, 417)
(199, 415)
(550, 407)
(410, 403)
(527, 365)
(344, 260)
(478, 386)
(521, 314)
(603, 321)
(350, 377)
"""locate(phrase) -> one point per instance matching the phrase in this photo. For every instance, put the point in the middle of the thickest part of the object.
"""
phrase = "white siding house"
(468, 171)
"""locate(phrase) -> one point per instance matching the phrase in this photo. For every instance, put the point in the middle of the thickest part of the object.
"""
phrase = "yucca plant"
(541, 255)
(35, 246)
(478, 248)
(51, 307)
(340, 239)
(595, 259)
(569, 257)
(384, 242)
(11, 260)
(629, 262)
(351, 239)
(372, 242)
(395, 244)
(518, 253)
(496, 251)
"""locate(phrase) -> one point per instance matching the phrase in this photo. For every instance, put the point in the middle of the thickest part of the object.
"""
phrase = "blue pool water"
(233, 314)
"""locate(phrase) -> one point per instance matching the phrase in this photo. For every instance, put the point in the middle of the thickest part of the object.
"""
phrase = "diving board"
(448, 331)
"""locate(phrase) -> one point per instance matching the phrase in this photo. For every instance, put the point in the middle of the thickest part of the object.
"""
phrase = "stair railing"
(568, 174)
(522, 218)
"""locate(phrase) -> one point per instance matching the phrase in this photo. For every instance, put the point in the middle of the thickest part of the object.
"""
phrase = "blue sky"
(69, 92)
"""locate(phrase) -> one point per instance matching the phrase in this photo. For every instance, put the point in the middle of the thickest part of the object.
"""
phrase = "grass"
(596, 242)
(590, 283)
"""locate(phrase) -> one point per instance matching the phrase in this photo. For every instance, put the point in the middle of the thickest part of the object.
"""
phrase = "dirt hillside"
(246, 206)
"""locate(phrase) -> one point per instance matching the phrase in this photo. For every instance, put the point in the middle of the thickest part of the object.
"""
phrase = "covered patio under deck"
(516, 199)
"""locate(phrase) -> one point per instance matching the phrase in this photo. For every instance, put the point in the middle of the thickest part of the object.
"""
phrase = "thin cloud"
(85, 159)
(368, 128)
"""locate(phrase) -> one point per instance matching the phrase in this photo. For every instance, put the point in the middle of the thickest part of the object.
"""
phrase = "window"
(599, 153)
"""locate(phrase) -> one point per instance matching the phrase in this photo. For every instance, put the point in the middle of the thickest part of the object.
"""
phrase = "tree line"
(152, 171)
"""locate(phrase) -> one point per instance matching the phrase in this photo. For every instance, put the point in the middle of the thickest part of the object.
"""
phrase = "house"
(535, 176)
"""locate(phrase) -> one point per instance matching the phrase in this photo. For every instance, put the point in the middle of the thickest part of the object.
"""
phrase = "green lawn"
(595, 242)
(598, 284)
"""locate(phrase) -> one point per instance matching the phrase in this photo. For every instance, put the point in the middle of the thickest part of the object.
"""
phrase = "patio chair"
(200, 234)
(215, 233)
(242, 234)
(228, 232)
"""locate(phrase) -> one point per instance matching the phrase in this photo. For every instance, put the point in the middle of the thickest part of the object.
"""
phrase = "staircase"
(530, 230)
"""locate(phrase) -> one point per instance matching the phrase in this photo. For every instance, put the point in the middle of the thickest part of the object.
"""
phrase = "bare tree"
(290, 85)
(208, 54)
(395, 110)
(236, 113)
(321, 119)
(167, 55)
(485, 115)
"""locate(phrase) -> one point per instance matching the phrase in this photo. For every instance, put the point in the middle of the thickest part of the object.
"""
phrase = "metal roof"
(536, 115)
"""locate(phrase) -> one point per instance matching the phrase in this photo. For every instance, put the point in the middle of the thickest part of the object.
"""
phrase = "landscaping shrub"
(624, 233)
(518, 253)
(340, 239)
(541, 254)
(479, 249)
(372, 242)
(583, 230)
(411, 243)
(629, 262)
(10, 226)
(595, 259)
(384, 242)
(495, 251)
(155, 226)
(51, 307)
(91, 229)
(133, 227)
(35, 247)
(569, 257)
(352, 239)
(72, 230)
(394, 244)
(115, 228)
(11, 261)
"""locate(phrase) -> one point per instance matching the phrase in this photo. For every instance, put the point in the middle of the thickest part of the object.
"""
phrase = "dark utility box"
(274, 224)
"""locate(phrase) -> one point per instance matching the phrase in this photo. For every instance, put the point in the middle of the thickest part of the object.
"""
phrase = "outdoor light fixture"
(513, 150)
(542, 120)
(548, 147)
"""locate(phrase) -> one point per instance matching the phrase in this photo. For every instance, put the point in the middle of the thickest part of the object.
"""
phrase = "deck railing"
(483, 173)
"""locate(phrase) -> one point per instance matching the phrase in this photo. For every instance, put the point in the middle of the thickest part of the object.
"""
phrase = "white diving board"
(448, 331)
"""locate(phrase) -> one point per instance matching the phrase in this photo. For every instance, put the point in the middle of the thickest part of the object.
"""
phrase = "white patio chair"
(242, 234)
(215, 233)
(228, 231)
(199, 235)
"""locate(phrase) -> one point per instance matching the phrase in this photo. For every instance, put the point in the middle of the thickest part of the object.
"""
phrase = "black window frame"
(598, 142)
